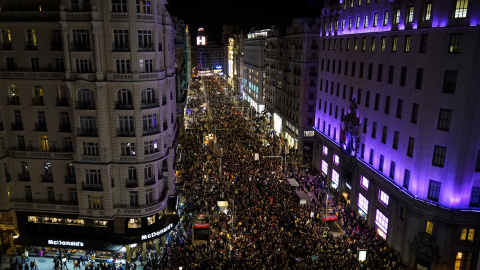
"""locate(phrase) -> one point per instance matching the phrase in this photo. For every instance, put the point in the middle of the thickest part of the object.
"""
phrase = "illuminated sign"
(201, 40)
(65, 243)
(157, 233)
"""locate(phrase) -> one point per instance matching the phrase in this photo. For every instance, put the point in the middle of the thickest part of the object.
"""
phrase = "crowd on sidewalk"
(265, 226)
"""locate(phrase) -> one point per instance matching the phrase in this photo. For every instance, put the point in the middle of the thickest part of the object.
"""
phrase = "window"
(362, 152)
(363, 203)
(359, 95)
(411, 145)
(150, 220)
(407, 44)
(149, 197)
(372, 154)
(35, 65)
(133, 198)
(325, 150)
(429, 227)
(50, 195)
(134, 222)
(427, 14)
(399, 109)
(144, 6)
(396, 16)
(31, 39)
(370, 71)
(392, 170)
(375, 19)
(357, 23)
(72, 195)
(387, 105)
(449, 81)
(460, 9)
(132, 174)
(379, 73)
(463, 260)
(44, 143)
(455, 44)
(374, 130)
(365, 21)
(475, 197)
(380, 164)
(364, 44)
(364, 182)
(81, 40)
(150, 147)
(385, 17)
(423, 43)
(444, 119)
(145, 40)
(365, 124)
(83, 65)
(434, 190)
(28, 193)
(324, 167)
(406, 179)
(391, 70)
(146, 65)
(372, 45)
(467, 235)
(419, 78)
(122, 65)
(336, 159)
(367, 100)
(394, 44)
(355, 44)
(93, 177)
(384, 134)
(59, 65)
(11, 65)
(87, 124)
(477, 163)
(395, 140)
(119, 5)
(121, 41)
(349, 23)
(381, 221)
(410, 14)
(383, 197)
(414, 113)
(90, 149)
(149, 122)
(335, 178)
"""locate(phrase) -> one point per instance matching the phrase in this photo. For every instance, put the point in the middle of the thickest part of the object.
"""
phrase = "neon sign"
(157, 233)
(65, 243)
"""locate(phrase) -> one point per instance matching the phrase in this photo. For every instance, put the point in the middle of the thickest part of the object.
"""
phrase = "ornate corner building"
(396, 124)
(88, 120)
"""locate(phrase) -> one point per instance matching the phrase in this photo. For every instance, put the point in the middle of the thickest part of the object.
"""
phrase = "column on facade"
(66, 51)
(96, 47)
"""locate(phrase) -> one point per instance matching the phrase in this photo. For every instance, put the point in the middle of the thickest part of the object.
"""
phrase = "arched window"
(124, 99)
(13, 98)
(85, 99)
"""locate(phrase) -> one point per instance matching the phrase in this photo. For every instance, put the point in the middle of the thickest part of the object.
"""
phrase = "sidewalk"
(47, 264)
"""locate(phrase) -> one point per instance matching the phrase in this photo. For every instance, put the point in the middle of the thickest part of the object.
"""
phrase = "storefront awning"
(66, 242)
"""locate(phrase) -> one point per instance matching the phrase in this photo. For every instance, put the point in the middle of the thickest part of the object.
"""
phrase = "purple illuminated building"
(397, 122)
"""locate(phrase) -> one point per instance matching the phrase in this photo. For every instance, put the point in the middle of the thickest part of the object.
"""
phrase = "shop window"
(151, 220)
(135, 223)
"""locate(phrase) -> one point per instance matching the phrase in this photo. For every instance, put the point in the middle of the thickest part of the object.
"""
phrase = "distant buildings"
(209, 55)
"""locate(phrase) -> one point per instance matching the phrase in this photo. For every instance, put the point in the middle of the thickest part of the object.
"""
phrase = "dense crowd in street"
(265, 226)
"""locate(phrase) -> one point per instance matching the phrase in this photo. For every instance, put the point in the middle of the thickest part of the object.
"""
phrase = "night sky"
(261, 14)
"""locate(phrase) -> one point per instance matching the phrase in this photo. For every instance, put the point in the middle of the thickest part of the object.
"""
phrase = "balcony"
(80, 46)
(6, 46)
(85, 105)
(118, 47)
(70, 179)
(62, 102)
(24, 177)
(87, 132)
(149, 181)
(122, 106)
(13, 100)
(47, 178)
(64, 128)
(150, 131)
(146, 104)
(37, 101)
(117, 16)
(17, 126)
(41, 127)
(125, 132)
(30, 46)
(38, 154)
(56, 46)
(92, 186)
(132, 183)
(146, 47)
(128, 159)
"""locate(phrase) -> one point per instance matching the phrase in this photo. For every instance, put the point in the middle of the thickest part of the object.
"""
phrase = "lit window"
(151, 220)
(429, 227)
(357, 23)
(428, 12)
(463, 260)
(325, 150)
(383, 197)
(336, 159)
(135, 223)
(382, 221)
(324, 167)
(410, 14)
(407, 44)
(363, 203)
(460, 9)
(335, 177)
(375, 19)
(467, 234)
(455, 45)
(385, 18)
(396, 17)
(364, 182)
(365, 22)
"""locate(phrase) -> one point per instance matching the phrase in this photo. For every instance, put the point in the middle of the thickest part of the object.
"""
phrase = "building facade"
(88, 158)
(291, 77)
(209, 55)
(397, 123)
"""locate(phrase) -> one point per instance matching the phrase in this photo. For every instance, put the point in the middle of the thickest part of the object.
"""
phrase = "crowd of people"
(264, 226)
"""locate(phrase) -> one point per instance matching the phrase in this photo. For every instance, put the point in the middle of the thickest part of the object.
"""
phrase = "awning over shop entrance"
(66, 242)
